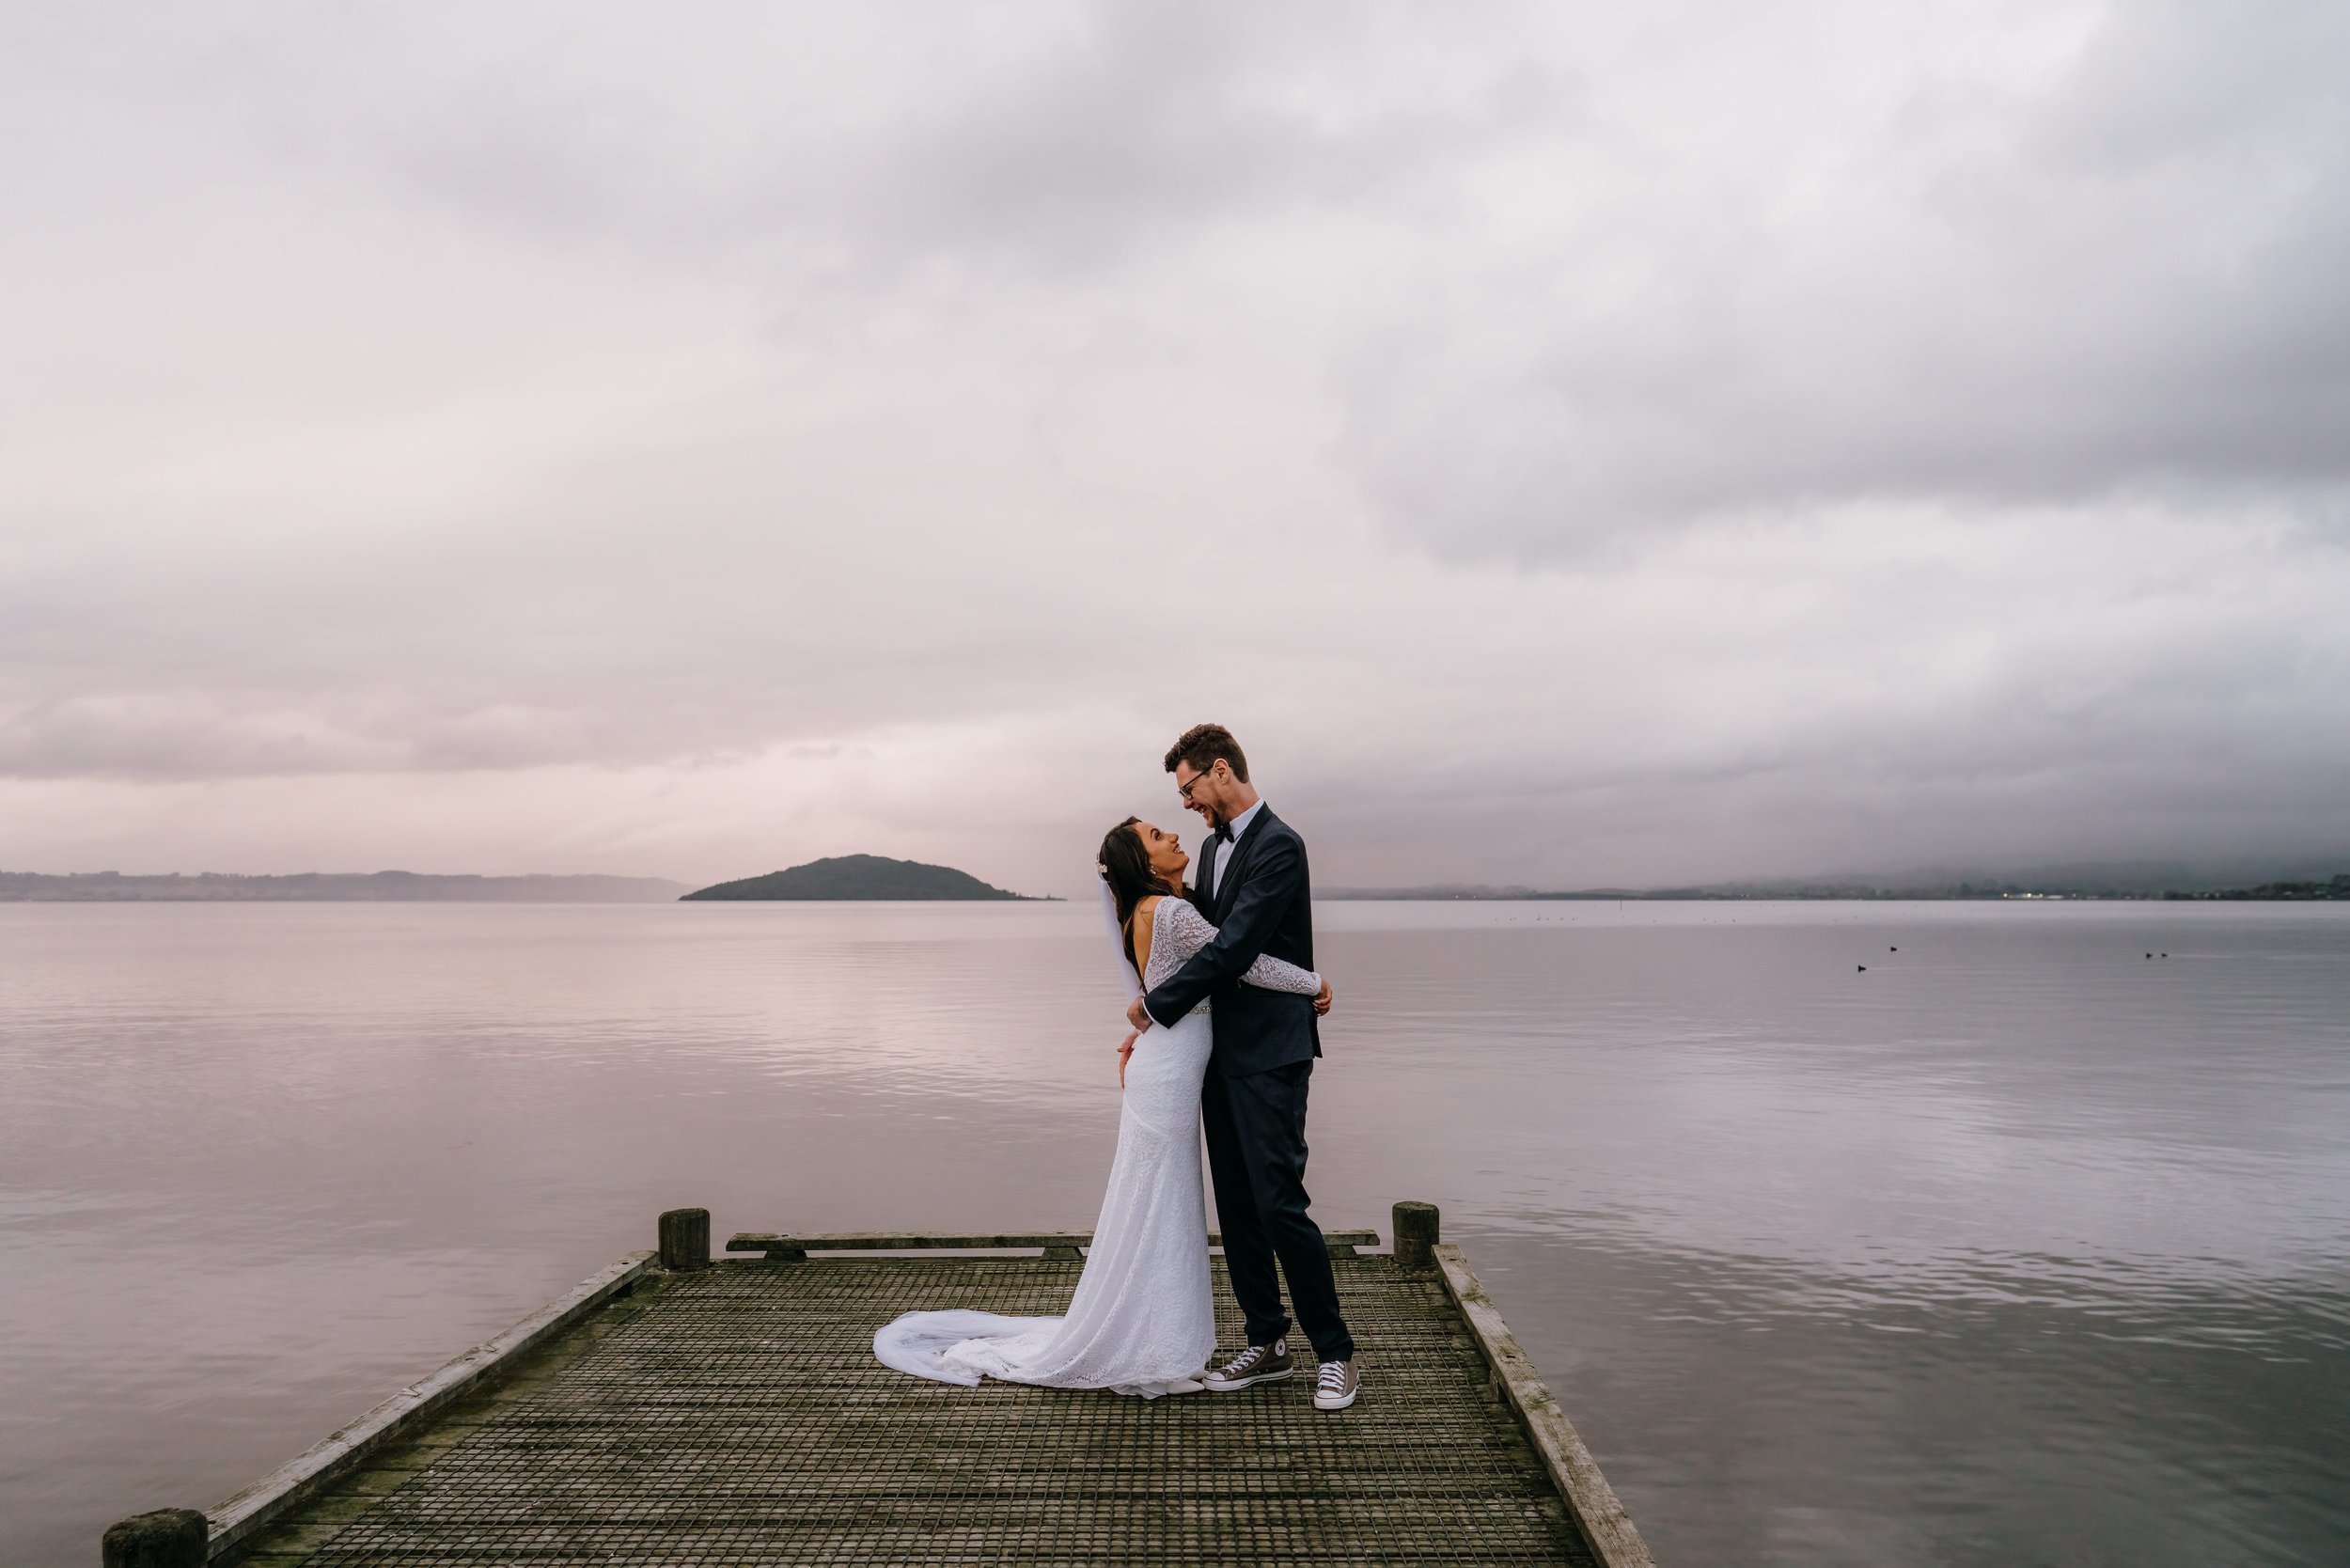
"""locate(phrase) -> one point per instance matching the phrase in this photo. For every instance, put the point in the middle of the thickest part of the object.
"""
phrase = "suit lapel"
(1233, 863)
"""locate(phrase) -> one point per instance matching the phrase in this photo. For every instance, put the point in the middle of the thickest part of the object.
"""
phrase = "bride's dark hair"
(1126, 867)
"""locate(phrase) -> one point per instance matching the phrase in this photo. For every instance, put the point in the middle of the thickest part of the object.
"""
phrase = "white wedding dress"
(1142, 1321)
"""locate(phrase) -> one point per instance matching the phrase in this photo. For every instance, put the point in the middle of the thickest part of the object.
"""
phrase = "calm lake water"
(2018, 1247)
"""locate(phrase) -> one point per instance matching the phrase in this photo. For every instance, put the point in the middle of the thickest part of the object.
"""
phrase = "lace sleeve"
(1275, 974)
(1182, 931)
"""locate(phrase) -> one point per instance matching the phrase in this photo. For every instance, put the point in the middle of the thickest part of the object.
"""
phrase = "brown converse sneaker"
(1336, 1388)
(1256, 1364)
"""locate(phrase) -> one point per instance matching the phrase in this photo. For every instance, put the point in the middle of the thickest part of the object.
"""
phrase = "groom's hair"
(1202, 745)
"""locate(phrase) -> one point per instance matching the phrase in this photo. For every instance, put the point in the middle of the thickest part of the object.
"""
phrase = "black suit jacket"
(1264, 903)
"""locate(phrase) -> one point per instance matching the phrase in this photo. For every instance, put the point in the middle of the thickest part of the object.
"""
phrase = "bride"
(1142, 1321)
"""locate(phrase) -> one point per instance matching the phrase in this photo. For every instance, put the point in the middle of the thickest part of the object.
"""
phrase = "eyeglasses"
(1185, 787)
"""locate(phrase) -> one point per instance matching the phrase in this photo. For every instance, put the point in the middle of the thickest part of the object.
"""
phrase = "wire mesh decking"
(735, 1415)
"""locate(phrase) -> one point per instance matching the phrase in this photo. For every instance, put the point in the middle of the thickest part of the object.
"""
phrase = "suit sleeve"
(1276, 875)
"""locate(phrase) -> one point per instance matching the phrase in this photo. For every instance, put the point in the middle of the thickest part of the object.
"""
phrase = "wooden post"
(1416, 1236)
(167, 1538)
(685, 1239)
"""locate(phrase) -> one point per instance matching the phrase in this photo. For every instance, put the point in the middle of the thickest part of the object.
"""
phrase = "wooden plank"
(789, 1246)
(787, 1243)
(237, 1520)
(1604, 1523)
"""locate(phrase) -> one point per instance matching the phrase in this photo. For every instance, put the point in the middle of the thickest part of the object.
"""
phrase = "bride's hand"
(1125, 1050)
(1322, 1000)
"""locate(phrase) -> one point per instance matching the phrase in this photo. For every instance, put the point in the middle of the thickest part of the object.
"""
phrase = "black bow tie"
(1224, 832)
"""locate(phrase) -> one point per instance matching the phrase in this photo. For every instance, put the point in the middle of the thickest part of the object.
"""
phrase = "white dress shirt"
(1224, 851)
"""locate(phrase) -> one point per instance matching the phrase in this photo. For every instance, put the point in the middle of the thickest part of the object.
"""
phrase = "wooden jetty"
(673, 1409)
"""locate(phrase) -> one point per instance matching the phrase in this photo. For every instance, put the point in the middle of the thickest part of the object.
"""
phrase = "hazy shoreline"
(2305, 882)
(331, 887)
(2315, 878)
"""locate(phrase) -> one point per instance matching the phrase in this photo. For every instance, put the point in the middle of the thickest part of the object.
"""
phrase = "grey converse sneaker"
(1336, 1388)
(1256, 1364)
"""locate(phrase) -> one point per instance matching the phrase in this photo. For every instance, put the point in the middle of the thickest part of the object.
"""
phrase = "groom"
(1251, 883)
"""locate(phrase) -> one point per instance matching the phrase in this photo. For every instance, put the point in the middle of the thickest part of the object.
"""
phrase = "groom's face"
(1203, 793)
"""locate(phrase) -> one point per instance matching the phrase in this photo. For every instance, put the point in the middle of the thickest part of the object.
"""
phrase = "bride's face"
(1166, 853)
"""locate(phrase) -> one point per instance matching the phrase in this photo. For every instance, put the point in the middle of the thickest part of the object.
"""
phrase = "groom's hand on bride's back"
(1137, 1016)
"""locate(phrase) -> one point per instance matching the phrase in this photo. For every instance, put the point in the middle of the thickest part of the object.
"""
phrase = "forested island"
(330, 888)
(854, 877)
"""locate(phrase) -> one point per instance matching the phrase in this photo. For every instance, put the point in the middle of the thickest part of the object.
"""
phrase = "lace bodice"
(1178, 930)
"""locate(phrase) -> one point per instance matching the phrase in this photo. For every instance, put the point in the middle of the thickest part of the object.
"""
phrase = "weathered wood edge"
(236, 1521)
(1597, 1511)
(784, 1244)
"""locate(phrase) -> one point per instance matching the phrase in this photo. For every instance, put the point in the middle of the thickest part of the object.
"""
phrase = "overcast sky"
(1569, 444)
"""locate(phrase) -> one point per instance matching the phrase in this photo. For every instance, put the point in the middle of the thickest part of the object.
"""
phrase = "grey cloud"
(2123, 279)
(1058, 141)
(523, 430)
(146, 733)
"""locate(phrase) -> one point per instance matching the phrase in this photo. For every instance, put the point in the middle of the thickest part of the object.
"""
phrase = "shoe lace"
(1334, 1376)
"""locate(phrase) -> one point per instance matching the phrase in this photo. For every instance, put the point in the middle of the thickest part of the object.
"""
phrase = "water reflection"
(2016, 1246)
(1974, 1409)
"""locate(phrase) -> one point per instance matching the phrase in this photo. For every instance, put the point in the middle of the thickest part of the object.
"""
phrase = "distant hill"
(858, 876)
(2305, 878)
(2339, 888)
(330, 888)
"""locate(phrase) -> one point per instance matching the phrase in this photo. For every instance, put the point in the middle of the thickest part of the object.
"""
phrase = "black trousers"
(1256, 1128)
